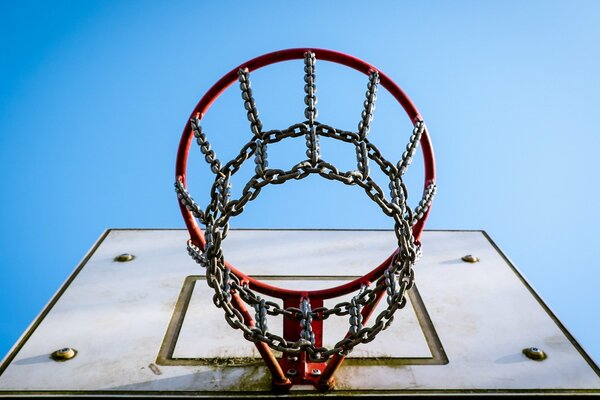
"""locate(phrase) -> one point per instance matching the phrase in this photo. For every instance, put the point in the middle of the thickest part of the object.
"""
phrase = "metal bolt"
(315, 372)
(292, 358)
(535, 353)
(63, 354)
(124, 257)
(291, 372)
(470, 258)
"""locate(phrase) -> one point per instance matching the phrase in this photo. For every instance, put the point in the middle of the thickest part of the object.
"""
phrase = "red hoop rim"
(187, 137)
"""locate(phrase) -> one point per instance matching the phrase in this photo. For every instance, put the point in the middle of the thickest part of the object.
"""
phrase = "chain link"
(306, 331)
(397, 278)
(209, 154)
(261, 316)
(411, 147)
(354, 310)
(312, 139)
(310, 88)
(188, 201)
(367, 115)
(425, 203)
(249, 105)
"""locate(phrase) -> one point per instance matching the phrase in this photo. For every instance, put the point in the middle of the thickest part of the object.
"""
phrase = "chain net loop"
(397, 278)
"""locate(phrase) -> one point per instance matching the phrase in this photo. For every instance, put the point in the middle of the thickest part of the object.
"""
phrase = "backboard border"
(167, 348)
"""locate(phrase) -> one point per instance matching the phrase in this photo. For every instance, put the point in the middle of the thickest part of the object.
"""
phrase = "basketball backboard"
(147, 325)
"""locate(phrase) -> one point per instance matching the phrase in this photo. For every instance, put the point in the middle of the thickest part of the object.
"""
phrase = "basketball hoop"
(305, 360)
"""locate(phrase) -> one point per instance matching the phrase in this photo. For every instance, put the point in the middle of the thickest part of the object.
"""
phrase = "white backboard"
(149, 327)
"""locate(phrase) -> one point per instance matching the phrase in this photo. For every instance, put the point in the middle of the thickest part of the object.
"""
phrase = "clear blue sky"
(94, 94)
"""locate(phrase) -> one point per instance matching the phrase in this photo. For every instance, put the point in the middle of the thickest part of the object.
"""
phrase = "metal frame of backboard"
(166, 357)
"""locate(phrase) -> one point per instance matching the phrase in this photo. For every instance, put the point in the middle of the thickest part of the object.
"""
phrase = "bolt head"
(291, 372)
(535, 353)
(63, 354)
(315, 372)
(124, 257)
(470, 258)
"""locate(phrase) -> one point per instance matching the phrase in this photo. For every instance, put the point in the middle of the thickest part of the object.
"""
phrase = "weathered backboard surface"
(149, 327)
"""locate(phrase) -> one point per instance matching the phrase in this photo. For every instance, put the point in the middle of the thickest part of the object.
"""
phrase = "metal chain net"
(398, 277)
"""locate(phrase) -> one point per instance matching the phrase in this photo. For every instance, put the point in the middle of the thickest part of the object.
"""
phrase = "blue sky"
(94, 94)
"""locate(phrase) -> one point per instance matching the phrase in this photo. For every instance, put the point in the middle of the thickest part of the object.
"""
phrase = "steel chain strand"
(306, 331)
(310, 88)
(355, 313)
(196, 254)
(260, 157)
(248, 193)
(209, 154)
(403, 228)
(234, 165)
(226, 283)
(293, 131)
(286, 176)
(343, 308)
(334, 133)
(399, 194)
(362, 159)
(252, 299)
(368, 334)
(376, 194)
(260, 316)
(187, 200)
(425, 203)
(386, 167)
(369, 105)
(211, 212)
(212, 251)
(391, 282)
(221, 299)
(364, 125)
(313, 147)
(411, 147)
(346, 179)
(311, 113)
(223, 195)
(382, 322)
(249, 104)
